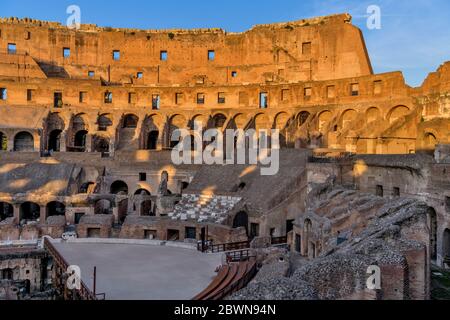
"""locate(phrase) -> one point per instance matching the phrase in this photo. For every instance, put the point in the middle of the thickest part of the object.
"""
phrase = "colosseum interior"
(86, 119)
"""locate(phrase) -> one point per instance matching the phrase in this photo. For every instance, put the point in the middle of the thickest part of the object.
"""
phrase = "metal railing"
(240, 255)
(85, 293)
(224, 247)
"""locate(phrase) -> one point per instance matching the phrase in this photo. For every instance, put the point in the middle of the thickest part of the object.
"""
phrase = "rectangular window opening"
(354, 88)
(116, 55)
(66, 53)
(108, 97)
(163, 55)
(263, 101)
(211, 55)
(142, 177)
(83, 95)
(140, 75)
(156, 102)
(200, 98)
(3, 94)
(57, 100)
(30, 94)
(221, 98)
(12, 48)
(91, 74)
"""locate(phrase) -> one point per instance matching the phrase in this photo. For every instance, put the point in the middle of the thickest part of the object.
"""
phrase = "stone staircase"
(204, 208)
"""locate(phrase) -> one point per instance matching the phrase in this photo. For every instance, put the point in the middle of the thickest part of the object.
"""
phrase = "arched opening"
(56, 208)
(302, 118)
(130, 121)
(54, 140)
(3, 142)
(432, 225)
(29, 211)
(146, 208)
(80, 141)
(100, 144)
(119, 187)
(373, 114)
(152, 141)
(142, 192)
(24, 142)
(429, 141)
(87, 188)
(397, 113)
(103, 206)
(176, 122)
(6, 211)
(324, 120)
(7, 274)
(348, 118)
(104, 122)
(241, 220)
(218, 121)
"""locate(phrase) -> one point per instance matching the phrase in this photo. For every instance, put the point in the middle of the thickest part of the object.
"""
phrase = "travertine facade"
(87, 116)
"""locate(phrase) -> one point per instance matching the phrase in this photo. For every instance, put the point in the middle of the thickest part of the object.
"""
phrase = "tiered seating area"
(230, 278)
(204, 208)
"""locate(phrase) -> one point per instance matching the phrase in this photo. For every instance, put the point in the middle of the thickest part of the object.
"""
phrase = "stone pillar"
(116, 214)
(11, 142)
(43, 214)
(63, 142)
(88, 143)
(16, 208)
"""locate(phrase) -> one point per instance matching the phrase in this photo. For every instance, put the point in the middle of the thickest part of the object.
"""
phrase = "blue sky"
(414, 38)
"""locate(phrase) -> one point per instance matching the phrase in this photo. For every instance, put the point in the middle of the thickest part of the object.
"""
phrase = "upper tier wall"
(315, 49)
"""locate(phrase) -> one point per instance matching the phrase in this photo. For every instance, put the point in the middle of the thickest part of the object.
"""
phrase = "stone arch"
(239, 121)
(396, 113)
(3, 142)
(261, 121)
(348, 117)
(142, 192)
(79, 132)
(324, 120)
(146, 207)
(29, 211)
(103, 206)
(151, 134)
(100, 144)
(302, 118)
(432, 226)
(104, 121)
(372, 114)
(218, 121)
(281, 121)
(241, 220)
(6, 211)
(54, 127)
(198, 121)
(176, 122)
(24, 142)
(130, 121)
(55, 208)
(119, 187)
(429, 141)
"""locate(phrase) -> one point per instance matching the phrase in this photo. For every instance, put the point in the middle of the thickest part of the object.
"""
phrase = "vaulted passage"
(119, 187)
(54, 140)
(152, 142)
(29, 211)
(80, 141)
(6, 211)
(23, 142)
(241, 220)
(56, 208)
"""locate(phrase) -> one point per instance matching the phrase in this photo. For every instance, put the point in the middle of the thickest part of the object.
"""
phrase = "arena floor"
(142, 272)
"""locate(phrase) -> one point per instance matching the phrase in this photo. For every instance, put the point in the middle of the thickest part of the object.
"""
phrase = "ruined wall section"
(314, 49)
